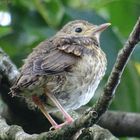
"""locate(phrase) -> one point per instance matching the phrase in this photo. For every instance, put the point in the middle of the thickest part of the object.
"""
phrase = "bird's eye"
(78, 30)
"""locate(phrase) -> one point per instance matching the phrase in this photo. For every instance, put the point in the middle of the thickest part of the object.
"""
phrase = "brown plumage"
(64, 70)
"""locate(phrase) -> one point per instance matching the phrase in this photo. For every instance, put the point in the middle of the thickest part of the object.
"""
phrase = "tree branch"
(7, 68)
(16, 132)
(120, 64)
(121, 124)
(95, 133)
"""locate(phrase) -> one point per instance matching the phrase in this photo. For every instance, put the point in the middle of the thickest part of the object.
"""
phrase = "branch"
(16, 132)
(95, 133)
(7, 68)
(13, 132)
(121, 124)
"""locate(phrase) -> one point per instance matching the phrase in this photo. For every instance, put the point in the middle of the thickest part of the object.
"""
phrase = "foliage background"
(35, 20)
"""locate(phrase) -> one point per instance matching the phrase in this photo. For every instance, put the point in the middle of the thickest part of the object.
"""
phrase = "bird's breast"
(81, 83)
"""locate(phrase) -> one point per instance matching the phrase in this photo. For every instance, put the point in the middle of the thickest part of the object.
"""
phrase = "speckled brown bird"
(64, 71)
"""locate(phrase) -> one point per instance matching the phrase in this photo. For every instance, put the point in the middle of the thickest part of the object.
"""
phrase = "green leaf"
(123, 14)
(52, 11)
(127, 95)
(5, 31)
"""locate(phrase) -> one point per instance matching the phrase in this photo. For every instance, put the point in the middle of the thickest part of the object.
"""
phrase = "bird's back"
(44, 63)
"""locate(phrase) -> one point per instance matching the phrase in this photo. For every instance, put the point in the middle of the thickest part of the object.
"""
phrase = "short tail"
(14, 91)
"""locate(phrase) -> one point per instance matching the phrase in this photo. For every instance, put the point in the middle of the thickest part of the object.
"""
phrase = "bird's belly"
(81, 83)
(79, 96)
(76, 88)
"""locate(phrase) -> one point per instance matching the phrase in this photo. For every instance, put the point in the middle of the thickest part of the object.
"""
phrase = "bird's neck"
(78, 40)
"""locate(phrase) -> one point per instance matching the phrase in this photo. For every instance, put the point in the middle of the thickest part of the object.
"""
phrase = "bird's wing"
(58, 60)
(47, 60)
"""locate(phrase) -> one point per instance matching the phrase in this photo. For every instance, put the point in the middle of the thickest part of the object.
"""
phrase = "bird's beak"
(101, 28)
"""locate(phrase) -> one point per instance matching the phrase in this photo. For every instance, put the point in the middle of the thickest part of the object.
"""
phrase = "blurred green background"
(25, 23)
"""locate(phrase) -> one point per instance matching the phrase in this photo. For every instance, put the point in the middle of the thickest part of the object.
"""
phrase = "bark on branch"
(7, 68)
(15, 132)
(121, 124)
(91, 116)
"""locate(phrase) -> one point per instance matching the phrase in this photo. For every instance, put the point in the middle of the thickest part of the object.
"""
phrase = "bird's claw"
(59, 126)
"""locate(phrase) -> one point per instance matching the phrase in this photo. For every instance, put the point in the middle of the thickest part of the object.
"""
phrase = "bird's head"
(81, 28)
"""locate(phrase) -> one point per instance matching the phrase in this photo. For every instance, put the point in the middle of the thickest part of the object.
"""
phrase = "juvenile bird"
(64, 71)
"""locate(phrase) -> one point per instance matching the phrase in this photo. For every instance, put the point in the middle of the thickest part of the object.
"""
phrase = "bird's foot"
(59, 126)
(69, 120)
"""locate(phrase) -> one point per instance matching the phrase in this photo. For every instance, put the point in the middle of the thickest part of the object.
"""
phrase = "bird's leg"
(69, 119)
(42, 107)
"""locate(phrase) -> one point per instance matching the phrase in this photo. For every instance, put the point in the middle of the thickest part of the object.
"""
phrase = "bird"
(63, 72)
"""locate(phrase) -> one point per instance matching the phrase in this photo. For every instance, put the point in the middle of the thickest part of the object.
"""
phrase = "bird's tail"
(14, 91)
